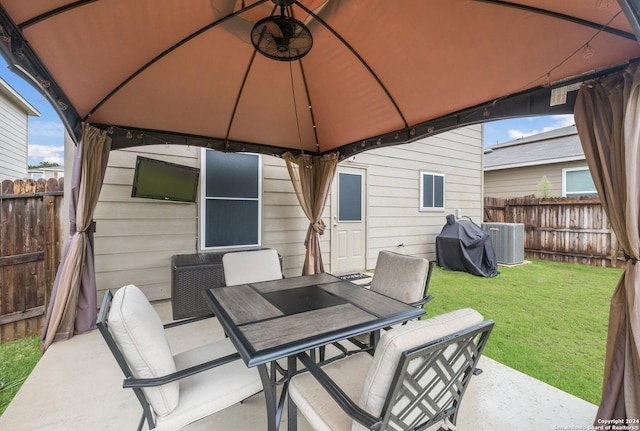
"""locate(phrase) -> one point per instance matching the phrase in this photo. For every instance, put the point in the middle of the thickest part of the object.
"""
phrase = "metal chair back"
(431, 380)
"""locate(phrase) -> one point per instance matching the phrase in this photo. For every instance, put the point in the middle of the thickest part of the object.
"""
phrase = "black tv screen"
(156, 179)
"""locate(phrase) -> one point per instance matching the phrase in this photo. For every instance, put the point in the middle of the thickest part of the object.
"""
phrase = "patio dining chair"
(405, 278)
(254, 266)
(415, 380)
(174, 391)
(251, 266)
(402, 277)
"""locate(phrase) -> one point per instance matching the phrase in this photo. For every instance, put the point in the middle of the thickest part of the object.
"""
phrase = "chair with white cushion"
(415, 380)
(251, 266)
(174, 391)
(402, 277)
(405, 278)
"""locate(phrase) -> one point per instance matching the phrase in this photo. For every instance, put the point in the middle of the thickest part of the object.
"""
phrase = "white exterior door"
(348, 229)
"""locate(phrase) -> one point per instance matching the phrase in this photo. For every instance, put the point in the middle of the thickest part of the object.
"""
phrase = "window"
(232, 190)
(349, 197)
(577, 182)
(431, 191)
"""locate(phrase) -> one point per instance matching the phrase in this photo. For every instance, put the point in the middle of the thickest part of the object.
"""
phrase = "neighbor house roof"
(16, 98)
(555, 146)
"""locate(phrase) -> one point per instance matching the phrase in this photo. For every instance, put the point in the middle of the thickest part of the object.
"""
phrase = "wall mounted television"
(157, 179)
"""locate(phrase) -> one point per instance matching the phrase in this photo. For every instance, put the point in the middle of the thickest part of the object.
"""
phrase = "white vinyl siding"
(393, 215)
(135, 238)
(13, 140)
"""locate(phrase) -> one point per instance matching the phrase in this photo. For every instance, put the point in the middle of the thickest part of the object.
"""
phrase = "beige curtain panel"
(607, 117)
(73, 305)
(312, 177)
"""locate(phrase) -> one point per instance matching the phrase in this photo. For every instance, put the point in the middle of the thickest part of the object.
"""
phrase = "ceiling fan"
(282, 37)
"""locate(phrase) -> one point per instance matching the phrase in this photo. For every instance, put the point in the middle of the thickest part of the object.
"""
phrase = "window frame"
(578, 193)
(204, 199)
(422, 207)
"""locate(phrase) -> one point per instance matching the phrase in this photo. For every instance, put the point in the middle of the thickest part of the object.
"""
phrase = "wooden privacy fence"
(563, 229)
(30, 249)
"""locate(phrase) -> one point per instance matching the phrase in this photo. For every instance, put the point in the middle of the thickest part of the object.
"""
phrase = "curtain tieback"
(632, 259)
(319, 227)
(90, 229)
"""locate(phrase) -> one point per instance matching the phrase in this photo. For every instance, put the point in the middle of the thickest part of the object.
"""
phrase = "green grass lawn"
(551, 318)
(17, 359)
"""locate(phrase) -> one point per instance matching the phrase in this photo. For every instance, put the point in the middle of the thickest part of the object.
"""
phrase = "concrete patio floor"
(77, 385)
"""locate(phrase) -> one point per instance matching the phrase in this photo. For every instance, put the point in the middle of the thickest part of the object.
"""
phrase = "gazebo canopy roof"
(378, 72)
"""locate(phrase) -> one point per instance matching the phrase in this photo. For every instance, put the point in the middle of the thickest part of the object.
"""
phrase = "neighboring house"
(392, 198)
(14, 119)
(46, 173)
(549, 164)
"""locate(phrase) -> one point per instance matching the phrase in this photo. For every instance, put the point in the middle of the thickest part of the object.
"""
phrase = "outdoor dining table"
(273, 320)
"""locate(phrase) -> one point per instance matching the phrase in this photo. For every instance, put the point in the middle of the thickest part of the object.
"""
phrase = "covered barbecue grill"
(463, 246)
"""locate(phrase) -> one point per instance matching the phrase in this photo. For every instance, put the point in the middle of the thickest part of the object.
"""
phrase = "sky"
(46, 133)
(497, 132)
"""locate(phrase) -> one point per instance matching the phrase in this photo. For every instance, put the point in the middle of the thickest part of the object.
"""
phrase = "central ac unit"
(507, 240)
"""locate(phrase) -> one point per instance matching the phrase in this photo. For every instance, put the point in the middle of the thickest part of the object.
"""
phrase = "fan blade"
(274, 29)
(300, 42)
(288, 28)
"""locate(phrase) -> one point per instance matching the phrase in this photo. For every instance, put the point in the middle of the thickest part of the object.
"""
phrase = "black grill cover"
(464, 246)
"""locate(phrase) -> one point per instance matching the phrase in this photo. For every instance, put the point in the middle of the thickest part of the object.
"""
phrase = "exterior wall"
(135, 238)
(13, 140)
(516, 182)
(393, 182)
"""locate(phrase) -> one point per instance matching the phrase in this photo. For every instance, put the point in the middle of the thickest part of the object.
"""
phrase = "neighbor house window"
(431, 191)
(231, 190)
(577, 182)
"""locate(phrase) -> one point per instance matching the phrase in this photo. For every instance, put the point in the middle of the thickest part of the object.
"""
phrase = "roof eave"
(536, 163)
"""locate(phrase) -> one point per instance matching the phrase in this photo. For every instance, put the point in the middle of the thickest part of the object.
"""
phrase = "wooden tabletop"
(275, 319)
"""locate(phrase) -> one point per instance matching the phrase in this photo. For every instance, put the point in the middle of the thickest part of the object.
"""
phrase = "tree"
(545, 188)
(44, 165)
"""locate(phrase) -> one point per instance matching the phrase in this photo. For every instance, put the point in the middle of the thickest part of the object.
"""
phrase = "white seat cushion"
(140, 336)
(210, 391)
(317, 406)
(251, 266)
(397, 340)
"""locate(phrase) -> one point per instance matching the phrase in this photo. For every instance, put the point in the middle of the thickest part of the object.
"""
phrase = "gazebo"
(316, 81)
